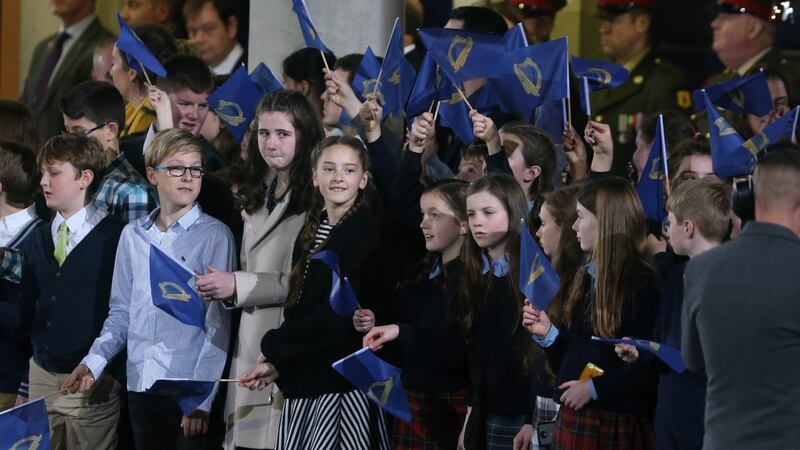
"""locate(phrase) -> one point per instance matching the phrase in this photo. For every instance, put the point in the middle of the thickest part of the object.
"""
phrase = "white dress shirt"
(79, 225)
(12, 224)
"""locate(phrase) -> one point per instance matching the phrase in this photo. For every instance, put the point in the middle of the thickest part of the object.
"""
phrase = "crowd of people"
(98, 176)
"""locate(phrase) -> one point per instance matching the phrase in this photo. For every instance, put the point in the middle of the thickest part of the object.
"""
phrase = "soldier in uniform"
(537, 17)
(744, 34)
(653, 85)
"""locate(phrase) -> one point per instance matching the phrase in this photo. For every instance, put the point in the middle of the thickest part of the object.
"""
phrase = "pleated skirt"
(346, 421)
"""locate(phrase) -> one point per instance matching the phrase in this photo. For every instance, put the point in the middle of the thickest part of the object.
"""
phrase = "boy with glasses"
(159, 345)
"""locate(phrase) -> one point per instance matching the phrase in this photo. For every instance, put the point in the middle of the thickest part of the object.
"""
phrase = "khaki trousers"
(79, 421)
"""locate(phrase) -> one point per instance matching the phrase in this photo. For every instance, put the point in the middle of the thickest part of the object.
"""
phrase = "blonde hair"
(170, 142)
(706, 202)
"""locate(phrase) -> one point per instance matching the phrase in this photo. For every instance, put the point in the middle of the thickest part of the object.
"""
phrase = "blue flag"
(397, 75)
(551, 117)
(25, 426)
(746, 95)
(265, 80)
(378, 380)
(537, 279)
(235, 102)
(454, 113)
(429, 87)
(651, 184)
(139, 56)
(310, 34)
(342, 298)
(780, 130)
(596, 75)
(728, 157)
(464, 55)
(515, 37)
(189, 393)
(532, 76)
(670, 356)
(367, 75)
(169, 287)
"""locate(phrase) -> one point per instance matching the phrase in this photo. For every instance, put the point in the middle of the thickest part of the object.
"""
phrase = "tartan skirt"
(436, 421)
(590, 429)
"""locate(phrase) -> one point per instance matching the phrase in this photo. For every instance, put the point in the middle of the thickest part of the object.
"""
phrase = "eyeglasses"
(179, 171)
(81, 132)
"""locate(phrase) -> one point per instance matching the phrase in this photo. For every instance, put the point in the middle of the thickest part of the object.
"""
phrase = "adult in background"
(212, 27)
(164, 12)
(741, 317)
(62, 60)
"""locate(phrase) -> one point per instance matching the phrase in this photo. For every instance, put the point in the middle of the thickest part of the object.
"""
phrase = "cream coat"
(261, 289)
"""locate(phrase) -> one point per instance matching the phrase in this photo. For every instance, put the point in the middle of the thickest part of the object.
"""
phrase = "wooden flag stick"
(54, 393)
(228, 380)
(324, 60)
(430, 109)
(436, 113)
(378, 81)
(464, 97)
(145, 73)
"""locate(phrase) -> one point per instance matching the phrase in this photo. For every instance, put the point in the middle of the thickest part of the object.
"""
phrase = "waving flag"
(342, 298)
(396, 74)
(464, 55)
(139, 56)
(310, 34)
(670, 356)
(378, 380)
(169, 287)
(235, 102)
(537, 279)
(367, 75)
(596, 75)
(746, 95)
(265, 80)
(651, 184)
(25, 426)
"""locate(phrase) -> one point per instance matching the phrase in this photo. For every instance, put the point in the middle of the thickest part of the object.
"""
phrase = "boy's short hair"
(97, 101)
(84, 153)
(475, 150)
(18, 172)
(171, 141)
(706, 202)
(186, 72)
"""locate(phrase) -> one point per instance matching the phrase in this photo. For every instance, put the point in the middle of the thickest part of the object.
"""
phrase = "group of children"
(434, 262)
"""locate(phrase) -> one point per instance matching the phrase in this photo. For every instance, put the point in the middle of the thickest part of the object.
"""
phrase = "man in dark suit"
(741, 318)
(61, 61)
(653, 85)
(212, 27)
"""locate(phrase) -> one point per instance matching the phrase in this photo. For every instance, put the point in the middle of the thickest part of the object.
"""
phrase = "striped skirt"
(501, 431)
(590, 429)
(436, 421)
(346, 421)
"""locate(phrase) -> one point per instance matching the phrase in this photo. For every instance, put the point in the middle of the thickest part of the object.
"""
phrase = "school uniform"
(623, 397)
(322, 409)
(500, 394)
(64, 306)
(433, 346)
(15, 347)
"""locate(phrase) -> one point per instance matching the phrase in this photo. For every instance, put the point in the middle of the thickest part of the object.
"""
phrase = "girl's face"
(585, 227)
(548, 232)
(439, 225)
(276, 139)
(121, 75)
(523, 174)
(339, 175)
(488, 221)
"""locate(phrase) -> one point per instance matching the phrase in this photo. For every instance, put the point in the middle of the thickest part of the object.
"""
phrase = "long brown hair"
(560, 204)
(307, 235)
(506, 189)
(622, 262)
(250, 176)
(454, 194)
(537, 150)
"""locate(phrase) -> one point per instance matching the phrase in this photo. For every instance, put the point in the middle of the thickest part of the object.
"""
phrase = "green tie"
(61, 244)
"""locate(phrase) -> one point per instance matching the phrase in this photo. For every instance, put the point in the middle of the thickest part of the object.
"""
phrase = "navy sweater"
(65, 307)
(623, 388)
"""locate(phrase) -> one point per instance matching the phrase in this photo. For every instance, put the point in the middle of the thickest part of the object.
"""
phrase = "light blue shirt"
(159, 345)
(498, 267)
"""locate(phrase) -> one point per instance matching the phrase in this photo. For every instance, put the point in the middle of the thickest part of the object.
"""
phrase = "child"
(95, 109)
(690, 160)
(18, 222)
(613, 296)
(699, 217)
(322, 409)
(66, 284)
(428, 325)
(274, 189)
(500, 352)
(160, 346)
